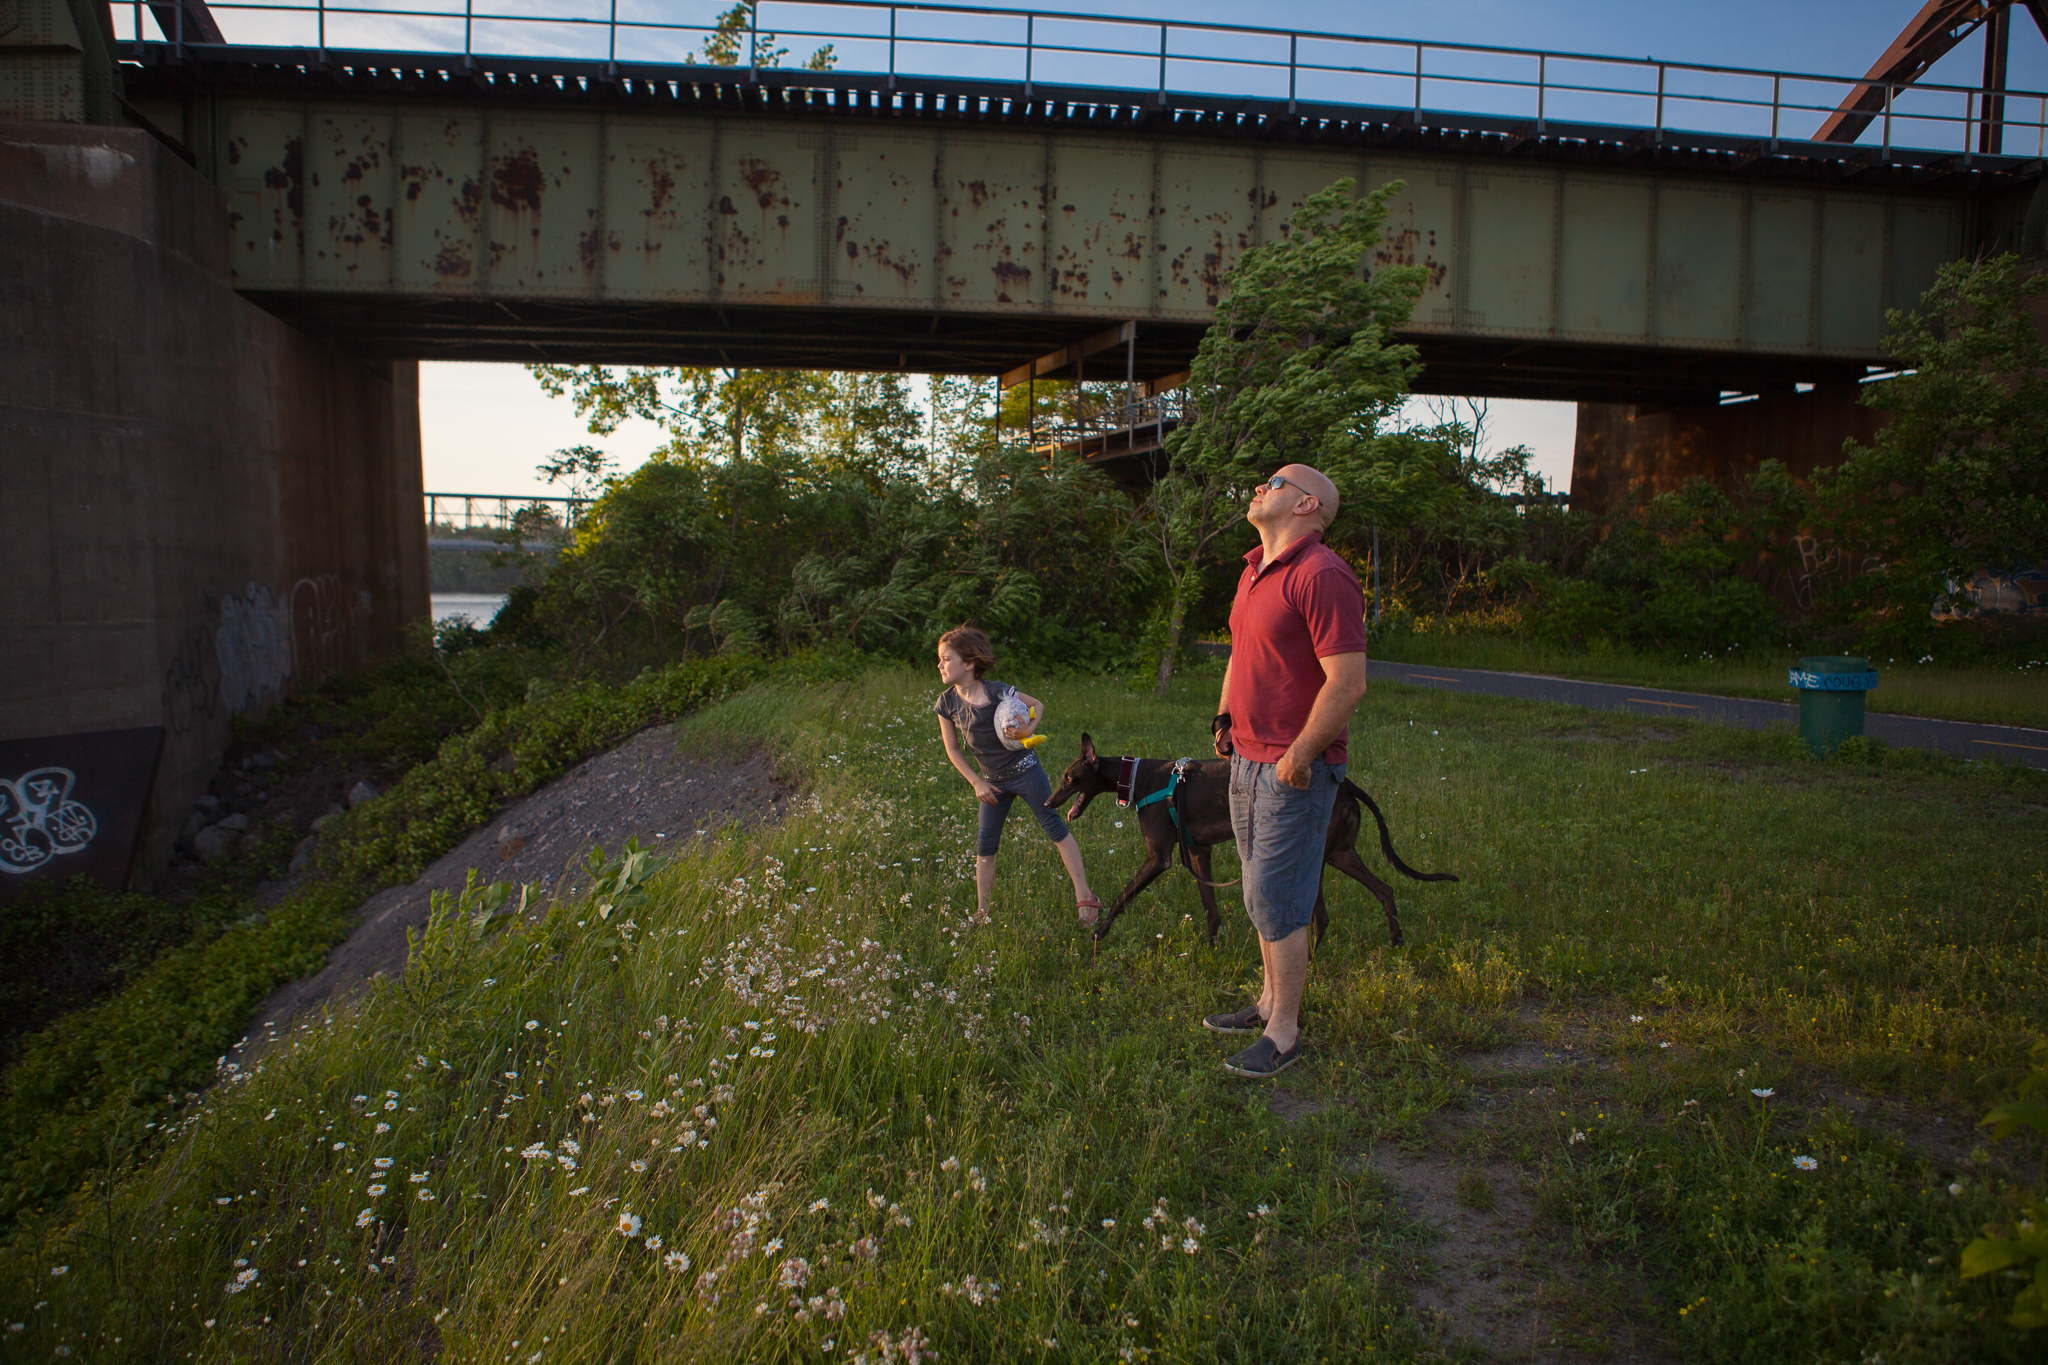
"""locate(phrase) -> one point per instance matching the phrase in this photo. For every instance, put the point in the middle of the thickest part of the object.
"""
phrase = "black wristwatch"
(1220, 724)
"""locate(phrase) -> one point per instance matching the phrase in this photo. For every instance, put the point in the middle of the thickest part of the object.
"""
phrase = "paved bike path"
(2014, 744)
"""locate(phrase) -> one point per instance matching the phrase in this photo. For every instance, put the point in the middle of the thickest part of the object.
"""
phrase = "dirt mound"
(643, 789)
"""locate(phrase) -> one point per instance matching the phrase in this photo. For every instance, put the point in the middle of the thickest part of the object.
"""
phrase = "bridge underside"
(671, 217)
(926, 342)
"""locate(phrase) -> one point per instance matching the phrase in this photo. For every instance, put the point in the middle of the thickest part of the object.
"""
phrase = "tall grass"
(783, 1098)
(1987, 694)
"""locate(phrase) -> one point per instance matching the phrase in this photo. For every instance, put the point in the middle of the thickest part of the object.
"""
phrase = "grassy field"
(1990, 695)
(781, 1099)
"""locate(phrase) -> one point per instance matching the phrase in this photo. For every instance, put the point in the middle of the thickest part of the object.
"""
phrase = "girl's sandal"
(1089, 909)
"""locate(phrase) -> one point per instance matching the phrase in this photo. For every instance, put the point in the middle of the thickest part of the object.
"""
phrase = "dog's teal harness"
(1126, 784)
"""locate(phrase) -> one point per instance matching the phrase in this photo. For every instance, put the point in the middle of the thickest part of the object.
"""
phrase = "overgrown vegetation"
(1002, 1141)
(794, 509)
(1872, 559)
(85, 1091)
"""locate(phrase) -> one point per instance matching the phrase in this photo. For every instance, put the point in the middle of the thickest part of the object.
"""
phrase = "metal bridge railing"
(457, 515)
(1140, 417)
(1157, 59)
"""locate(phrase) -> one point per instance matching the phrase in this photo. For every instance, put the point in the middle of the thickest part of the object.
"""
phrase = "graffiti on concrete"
(2023, 592)
(1816, 564)
(191, 684)
(322, 628)
(245, 651)
(254, 646)
(39, 820)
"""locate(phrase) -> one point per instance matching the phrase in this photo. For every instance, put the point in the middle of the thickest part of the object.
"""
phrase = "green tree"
(734, 39)
(1299, 365)
(1957, 480)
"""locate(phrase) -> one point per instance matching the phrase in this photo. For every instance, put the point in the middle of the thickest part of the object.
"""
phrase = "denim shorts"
(1281, 831)
(1031, 783)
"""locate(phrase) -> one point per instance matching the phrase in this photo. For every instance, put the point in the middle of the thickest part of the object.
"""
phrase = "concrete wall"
(1626, 450)
(202, 506)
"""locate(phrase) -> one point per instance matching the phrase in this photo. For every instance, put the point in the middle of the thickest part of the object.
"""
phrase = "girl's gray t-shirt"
(977, 726)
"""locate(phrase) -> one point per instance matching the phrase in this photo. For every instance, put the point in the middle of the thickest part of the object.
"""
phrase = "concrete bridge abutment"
(202, 508)
(1627, 452)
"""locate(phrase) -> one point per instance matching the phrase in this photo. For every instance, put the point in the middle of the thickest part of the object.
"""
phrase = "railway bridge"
(233, 231)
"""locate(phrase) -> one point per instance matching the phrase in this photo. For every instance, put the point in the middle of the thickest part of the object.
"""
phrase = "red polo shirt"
(1289, 614)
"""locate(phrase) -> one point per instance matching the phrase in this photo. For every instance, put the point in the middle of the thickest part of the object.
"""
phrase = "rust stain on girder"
(517, 181)
(361, 165)
(1411, 245)
(761, 178)
(1010, 275)
(290, 177)
(661, 183)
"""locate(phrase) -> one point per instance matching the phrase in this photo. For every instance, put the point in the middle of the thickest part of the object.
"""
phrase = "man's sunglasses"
(1276, 483)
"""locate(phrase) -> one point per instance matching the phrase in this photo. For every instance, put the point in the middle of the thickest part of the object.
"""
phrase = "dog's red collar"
(1126, 781)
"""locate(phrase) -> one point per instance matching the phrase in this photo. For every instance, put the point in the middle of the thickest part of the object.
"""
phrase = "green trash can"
(1831, 689)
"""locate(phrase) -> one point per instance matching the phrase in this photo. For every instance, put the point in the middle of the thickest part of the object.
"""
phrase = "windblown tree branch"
(1300, 365)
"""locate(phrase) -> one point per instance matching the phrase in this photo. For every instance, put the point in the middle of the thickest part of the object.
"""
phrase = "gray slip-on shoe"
(1246, 1020)
(1262, 1061)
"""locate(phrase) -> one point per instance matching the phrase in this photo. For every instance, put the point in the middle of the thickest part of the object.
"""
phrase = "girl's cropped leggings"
(1031, 783)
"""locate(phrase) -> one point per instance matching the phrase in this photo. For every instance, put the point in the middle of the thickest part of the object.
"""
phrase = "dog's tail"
(1351, 788)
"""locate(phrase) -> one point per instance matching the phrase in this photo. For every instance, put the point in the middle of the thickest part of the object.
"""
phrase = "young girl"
(969, 704)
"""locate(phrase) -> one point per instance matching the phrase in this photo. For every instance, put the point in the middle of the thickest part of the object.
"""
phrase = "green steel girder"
(451, 229)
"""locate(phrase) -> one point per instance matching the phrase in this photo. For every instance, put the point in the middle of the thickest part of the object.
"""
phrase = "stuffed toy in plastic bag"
(1013, 715)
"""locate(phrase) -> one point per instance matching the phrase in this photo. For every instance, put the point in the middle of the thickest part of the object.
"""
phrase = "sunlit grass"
(2007, 695)
(870, 1120)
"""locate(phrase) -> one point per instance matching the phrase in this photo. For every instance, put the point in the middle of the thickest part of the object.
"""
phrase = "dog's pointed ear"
(1087, 747)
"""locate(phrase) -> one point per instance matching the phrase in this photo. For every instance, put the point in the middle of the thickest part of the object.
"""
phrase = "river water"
(479, 607)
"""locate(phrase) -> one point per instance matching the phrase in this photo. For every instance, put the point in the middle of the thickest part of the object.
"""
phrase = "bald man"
(1297, 672)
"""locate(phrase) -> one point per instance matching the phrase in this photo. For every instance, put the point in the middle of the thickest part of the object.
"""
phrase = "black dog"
(1205, 802)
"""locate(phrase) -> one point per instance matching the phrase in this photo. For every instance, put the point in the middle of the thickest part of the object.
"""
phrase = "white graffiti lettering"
(254, 647)
(39, 820)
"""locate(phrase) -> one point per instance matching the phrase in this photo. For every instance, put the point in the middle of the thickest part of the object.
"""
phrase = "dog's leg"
(1201, 852)
(1158, 858)
(1347, 861)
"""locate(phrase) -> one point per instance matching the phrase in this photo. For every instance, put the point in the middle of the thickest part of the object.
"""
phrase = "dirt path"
(643, 789)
